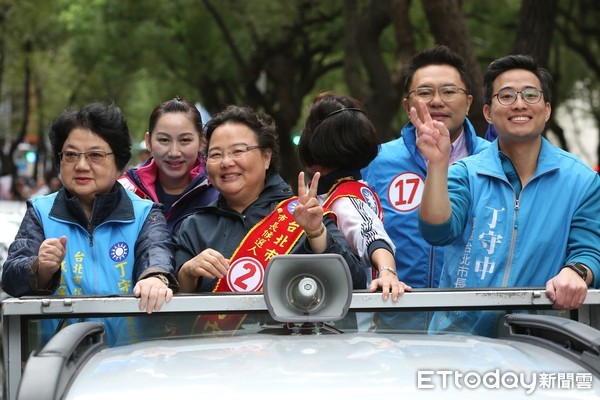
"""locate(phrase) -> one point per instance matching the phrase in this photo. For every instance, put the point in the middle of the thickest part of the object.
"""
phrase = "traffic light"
(296, 140)
(30, 156)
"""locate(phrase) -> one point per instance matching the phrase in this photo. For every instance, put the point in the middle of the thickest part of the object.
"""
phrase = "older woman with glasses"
(92, 236)
(224, 247)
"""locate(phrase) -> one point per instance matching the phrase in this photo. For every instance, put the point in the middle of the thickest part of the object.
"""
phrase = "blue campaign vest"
(98, 263)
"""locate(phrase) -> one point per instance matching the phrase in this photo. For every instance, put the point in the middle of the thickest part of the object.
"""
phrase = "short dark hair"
(518, 61)
(104, 120)
(438, 55)
(261, 124)
(176, 105)
(337, 134)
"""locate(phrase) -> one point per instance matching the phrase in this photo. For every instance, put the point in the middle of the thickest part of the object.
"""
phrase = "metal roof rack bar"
(56, 364)
(417, 300)
(579, 342)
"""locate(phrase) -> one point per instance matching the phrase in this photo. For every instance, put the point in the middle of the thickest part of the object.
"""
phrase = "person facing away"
(437, 78)
(338, 139)
(520, 213)
(92, 237)
(255, 216)
(175, 174)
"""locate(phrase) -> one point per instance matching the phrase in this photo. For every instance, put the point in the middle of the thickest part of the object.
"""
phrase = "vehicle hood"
(344, 366)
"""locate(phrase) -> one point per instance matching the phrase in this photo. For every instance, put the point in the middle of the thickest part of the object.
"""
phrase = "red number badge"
(245, 275)
(405, 191)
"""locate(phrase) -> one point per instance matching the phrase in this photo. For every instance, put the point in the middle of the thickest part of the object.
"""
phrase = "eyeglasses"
(508, 96)
(236, 152)
(95, 157)
(447, 93)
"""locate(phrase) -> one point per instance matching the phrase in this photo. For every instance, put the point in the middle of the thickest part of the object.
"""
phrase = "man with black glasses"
(521, 213)
(436, 78)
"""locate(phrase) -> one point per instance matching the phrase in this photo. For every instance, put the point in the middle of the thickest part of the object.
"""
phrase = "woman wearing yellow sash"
(338, 140)
(226, 245)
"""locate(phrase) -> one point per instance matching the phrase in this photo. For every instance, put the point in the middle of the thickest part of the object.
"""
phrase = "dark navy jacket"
(219, 227)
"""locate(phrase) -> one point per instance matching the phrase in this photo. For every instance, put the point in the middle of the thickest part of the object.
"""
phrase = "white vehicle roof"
(263, 360)
(346, 366)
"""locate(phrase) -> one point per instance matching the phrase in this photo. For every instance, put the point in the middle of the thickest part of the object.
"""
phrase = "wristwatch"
(163, 278)
(579, 268)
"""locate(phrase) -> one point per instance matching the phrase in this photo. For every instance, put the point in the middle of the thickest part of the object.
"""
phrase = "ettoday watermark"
(497, 379)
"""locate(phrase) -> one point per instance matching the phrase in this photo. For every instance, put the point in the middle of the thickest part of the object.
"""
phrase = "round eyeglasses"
(508, 96)
(216, 156)
(447, 93)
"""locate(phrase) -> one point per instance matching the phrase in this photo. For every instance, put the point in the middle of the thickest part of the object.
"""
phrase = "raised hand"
(308, 213)
(433, 138)
(52, 252)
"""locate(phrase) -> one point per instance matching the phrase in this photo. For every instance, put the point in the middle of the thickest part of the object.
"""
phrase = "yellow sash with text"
(275, 234)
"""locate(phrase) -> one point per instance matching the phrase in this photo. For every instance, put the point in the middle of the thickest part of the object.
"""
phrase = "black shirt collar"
(326, 182)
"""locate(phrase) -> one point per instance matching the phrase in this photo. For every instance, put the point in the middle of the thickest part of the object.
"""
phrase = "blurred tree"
(537, 19)
(29, 35)
(576, 65)
(286, 58)
(269, 54)
(220, 52)
(456, 36)
(380, 86)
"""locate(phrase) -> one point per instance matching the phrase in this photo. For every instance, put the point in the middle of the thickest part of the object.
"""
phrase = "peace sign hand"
(433, 138)
(308, 213)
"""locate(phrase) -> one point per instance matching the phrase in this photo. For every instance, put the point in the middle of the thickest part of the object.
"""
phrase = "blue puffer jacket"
(397, 174)
(498, 238)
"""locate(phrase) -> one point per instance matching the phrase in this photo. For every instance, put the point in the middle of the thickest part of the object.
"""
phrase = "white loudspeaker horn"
(308, 287)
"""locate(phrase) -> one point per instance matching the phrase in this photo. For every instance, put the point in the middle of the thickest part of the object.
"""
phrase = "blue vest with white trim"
(101, 262)
(96, 263)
